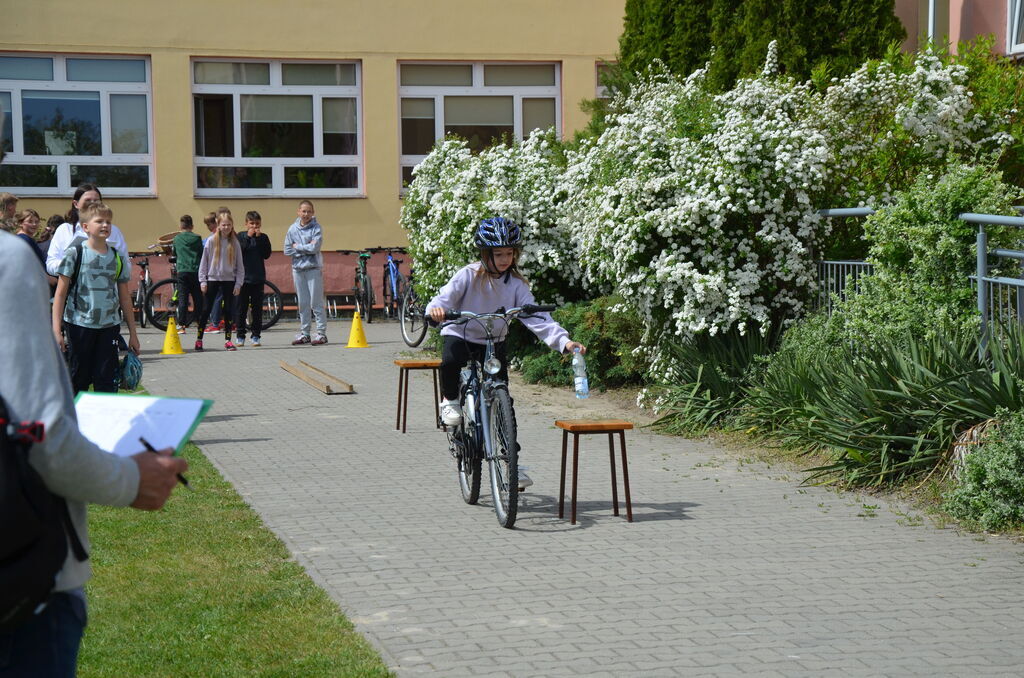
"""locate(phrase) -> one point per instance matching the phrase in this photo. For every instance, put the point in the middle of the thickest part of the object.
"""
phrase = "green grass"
(202, 588)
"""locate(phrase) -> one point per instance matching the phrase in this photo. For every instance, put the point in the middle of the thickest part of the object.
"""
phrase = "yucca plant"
(890, 409)
(710, 376)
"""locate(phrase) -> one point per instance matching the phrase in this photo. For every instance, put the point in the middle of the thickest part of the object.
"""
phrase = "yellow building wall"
(379, 33)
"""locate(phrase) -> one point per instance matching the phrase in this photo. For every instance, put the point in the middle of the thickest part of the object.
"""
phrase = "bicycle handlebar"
(454, 316)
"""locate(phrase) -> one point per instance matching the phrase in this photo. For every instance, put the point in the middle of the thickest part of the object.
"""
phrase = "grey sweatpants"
(309, 287)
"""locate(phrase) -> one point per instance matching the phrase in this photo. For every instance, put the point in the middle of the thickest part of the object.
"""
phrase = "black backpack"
(35, 530)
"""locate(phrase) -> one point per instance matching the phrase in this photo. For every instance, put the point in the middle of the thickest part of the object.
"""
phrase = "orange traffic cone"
(172, 345)
(356, 336)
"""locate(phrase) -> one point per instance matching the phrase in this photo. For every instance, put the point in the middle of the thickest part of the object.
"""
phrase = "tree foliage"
(830, 38)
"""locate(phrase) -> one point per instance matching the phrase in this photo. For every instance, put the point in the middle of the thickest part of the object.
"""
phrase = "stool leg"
(437, 399)
(405, 402)
(561, 486)
(625, 475)
(575, 468)
(615, 484)
(398, 413)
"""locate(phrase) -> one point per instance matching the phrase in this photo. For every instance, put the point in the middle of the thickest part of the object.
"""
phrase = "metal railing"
(838, 280)
(1000, 299)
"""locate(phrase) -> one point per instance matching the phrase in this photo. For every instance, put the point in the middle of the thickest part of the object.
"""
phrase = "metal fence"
(838, 280)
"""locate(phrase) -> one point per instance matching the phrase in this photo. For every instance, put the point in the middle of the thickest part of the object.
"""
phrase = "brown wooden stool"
(579, 427)
(404, 367)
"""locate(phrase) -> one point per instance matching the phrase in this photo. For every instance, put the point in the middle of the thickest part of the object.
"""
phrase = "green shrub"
(990, 490)
(609, 331)
(923, 254)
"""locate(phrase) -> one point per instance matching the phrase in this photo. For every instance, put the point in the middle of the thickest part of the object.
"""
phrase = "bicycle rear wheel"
(159, 304)
(139, 302)
(468, 463)
(414, 324)
(272, 305)
(503, 459)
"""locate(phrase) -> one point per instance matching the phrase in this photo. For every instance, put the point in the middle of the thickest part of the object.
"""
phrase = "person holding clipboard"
(34, 384)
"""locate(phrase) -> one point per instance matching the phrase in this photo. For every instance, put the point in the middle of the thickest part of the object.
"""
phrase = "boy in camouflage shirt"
(85, 306)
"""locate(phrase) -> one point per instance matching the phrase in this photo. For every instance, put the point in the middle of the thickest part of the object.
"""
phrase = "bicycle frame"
(483, 392)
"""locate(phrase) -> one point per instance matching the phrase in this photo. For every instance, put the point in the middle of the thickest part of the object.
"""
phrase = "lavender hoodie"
(218, 268)
(466, 291)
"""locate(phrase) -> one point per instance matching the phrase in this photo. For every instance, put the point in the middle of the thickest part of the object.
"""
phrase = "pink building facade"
(961, 20)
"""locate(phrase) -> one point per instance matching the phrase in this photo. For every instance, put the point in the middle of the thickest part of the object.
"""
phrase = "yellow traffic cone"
(356, 336)
(172, 345)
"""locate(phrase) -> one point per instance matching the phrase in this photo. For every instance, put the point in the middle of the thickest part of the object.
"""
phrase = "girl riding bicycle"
(482, 287)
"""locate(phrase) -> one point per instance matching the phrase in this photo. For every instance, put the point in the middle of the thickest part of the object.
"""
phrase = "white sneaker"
(524, 480)
(451, 412)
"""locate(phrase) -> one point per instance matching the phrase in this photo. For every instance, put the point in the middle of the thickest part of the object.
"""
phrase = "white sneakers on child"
(524, 480)
(451, 412)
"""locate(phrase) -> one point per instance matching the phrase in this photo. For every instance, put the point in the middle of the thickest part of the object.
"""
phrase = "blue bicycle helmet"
(498, 232)
(131, 372)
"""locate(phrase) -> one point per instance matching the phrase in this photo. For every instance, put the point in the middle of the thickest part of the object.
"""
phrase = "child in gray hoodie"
(302, 243)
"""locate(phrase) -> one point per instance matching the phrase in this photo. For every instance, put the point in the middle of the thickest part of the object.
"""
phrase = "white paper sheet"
(116, 422)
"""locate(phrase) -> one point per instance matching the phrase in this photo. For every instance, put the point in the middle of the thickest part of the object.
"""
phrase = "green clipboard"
(115, 421)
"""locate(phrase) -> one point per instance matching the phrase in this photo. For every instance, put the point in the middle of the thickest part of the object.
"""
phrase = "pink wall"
(957, 20)
(971, 18)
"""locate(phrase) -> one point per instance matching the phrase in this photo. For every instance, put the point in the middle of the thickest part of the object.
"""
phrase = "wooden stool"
(404, 367)
(579, 427)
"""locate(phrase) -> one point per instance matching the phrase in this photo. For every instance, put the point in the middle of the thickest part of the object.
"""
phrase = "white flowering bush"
(453, 190)
(703, 222)
(892, 120)
(700, 209)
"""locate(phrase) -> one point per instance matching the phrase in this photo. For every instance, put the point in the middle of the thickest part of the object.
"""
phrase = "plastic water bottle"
(579, 370)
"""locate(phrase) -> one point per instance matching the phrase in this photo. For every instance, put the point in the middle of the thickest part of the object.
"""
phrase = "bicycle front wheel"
(366, 299)
(503, 459)
(414, 324)
(159, 304)
(272, 306)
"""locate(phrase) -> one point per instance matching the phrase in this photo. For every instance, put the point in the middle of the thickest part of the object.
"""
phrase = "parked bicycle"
(394, 282)
(487, 431)
(163, 299)
(363, 290)
(411, 314)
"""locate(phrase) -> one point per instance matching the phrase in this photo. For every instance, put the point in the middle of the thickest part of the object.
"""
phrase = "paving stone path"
(729, 569)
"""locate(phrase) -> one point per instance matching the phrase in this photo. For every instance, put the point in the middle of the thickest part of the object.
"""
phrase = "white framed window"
(277, 128)
(72, 119)
(481, 102)
(1015, 27)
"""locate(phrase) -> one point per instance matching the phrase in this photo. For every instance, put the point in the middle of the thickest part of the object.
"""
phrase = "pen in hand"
(181, 479)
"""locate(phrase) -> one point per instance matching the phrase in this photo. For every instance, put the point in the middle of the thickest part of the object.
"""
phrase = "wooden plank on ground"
(309, 379)
(344, 386)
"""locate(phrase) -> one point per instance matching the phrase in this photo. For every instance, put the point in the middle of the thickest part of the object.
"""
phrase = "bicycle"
(488, 427)
(411, 314)
(162, 302)
(394, 284)
(363, 290)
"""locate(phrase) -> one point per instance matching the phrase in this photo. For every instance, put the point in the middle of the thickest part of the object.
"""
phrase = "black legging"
(456, 354)
(227, 289)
